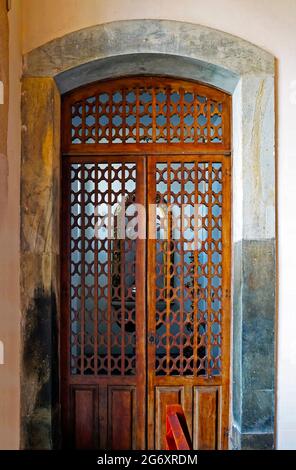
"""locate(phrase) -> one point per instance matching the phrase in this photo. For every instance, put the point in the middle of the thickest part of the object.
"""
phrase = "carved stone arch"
(186, 51)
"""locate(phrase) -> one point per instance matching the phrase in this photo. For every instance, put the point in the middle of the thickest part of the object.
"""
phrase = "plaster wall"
(10, 137)
(270, 24)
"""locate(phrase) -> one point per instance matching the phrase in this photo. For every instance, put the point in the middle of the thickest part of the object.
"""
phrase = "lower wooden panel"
(84, 404)
(206, 411)
(202, 409)
(165, 396)
(104, 417)
(121, 418)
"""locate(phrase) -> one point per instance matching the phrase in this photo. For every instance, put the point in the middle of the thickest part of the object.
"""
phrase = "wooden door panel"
(122, 419)
(84, 413)
(188, 294)
(165, 396)
(103, 322)
(202, 409)
(206, 415)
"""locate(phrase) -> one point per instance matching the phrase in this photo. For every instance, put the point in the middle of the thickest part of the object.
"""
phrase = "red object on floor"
(177, 434)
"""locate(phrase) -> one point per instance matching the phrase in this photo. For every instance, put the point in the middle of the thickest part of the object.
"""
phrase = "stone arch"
(151, 47)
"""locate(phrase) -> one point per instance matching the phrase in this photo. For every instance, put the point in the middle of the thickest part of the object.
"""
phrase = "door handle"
(151, 338)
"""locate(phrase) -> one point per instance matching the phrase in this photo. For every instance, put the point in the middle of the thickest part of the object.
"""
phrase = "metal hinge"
(227, 294)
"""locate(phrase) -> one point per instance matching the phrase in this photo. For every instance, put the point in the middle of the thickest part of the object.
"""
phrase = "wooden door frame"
(113, 152)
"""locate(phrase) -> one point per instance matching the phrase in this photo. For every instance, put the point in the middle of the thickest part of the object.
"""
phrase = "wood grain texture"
(206, 417)
(84, 418)
(147, 112)
(183, 325)
(122, 418)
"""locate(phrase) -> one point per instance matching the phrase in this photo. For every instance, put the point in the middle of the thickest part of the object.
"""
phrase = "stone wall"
(40, 263)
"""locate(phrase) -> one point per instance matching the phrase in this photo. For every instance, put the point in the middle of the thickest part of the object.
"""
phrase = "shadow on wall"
(40, 367)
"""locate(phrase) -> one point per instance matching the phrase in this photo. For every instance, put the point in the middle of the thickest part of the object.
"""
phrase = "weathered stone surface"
(258, 314)
(38, 371)
(39, 262)
(258, 411)
(150, 64)
(251, 441)
(237, 334)
(258, 158)
(253, 336)
(260, 441)
(235, 438)
(257, 365)
(40, 165)
(148, 36)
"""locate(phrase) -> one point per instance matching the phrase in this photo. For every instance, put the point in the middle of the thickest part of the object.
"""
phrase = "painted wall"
(269, 24)
(10, 136)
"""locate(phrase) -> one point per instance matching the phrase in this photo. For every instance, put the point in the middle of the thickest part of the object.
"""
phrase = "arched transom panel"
(147, 111)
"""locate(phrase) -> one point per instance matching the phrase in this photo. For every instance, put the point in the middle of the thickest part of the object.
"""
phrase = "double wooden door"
(146, 298)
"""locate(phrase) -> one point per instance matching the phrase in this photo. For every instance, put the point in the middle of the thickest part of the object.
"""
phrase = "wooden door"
(188, 294)
(103, 322)
(145, 322)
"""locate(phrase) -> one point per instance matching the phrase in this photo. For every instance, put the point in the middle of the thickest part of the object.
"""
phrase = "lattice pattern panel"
(189, 269)
(142, 113)
(103, 286)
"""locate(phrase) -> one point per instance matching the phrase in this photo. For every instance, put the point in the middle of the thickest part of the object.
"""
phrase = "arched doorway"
(145, 320)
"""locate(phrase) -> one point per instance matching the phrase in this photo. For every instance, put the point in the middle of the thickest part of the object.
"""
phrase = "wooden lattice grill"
(145, 321)
(189, 269)
(103, 293)
(148, 111)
